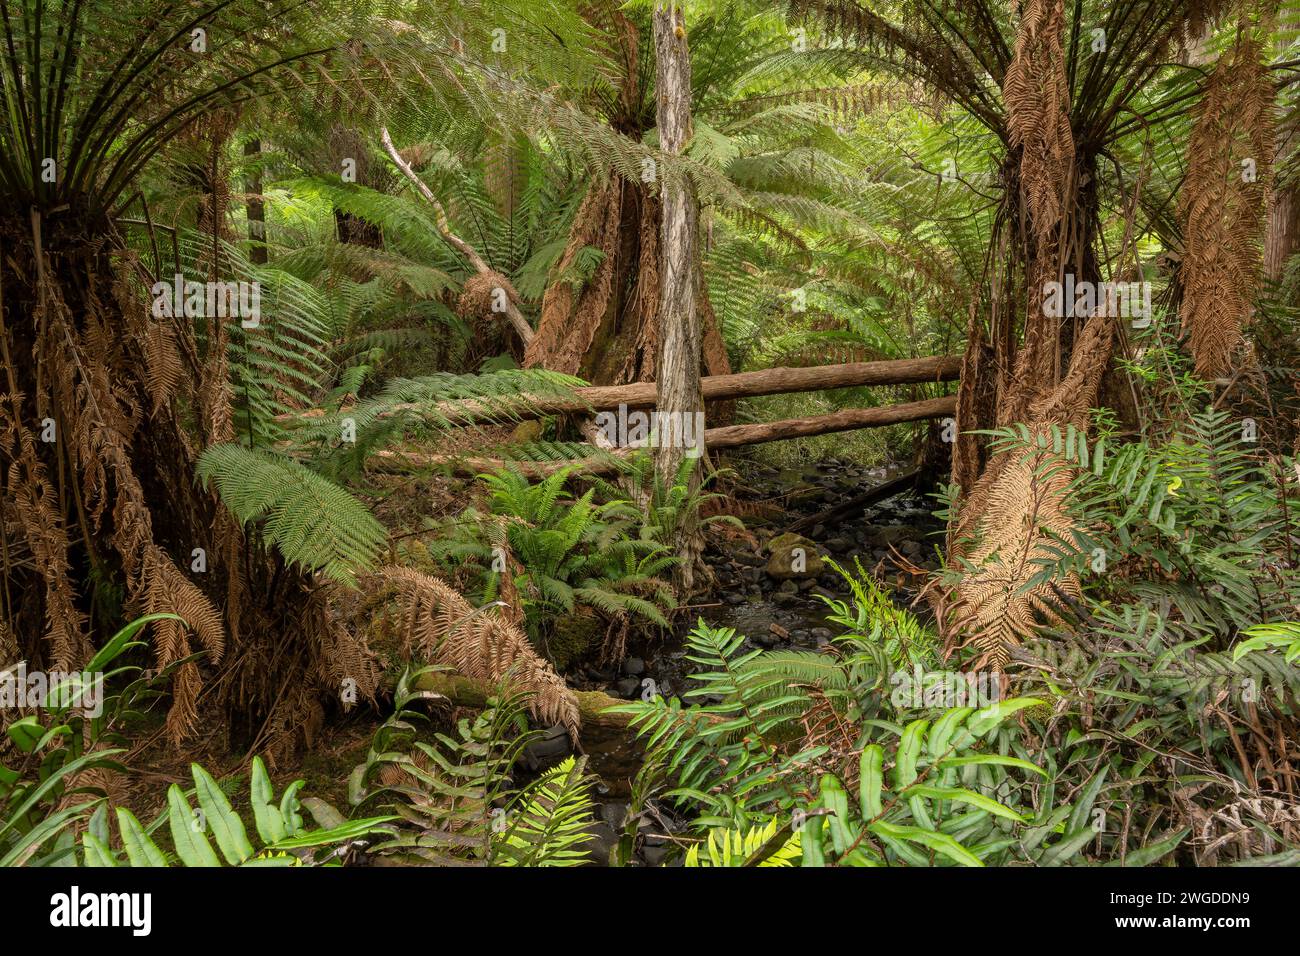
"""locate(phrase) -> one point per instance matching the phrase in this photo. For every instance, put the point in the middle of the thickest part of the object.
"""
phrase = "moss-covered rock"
(572, 637)
(793, 556)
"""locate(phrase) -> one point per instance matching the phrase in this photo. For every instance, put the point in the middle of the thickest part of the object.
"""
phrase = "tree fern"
(313, 522)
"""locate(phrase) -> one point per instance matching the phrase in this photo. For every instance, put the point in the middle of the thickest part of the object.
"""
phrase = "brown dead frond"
(1014, 515)
(437, 624)
(1222, 205)
(1037, 95)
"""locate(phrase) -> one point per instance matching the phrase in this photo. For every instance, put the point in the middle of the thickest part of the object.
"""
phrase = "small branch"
(517, 319)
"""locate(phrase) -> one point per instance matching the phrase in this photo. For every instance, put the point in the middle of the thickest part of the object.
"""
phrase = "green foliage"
(668, 507)
(548, 823)
(1184, 543)
(1198, 524)
(48, 751)
(455, 794)
(284, 838)
(730, 848)
(1284, 635)
(756, 754)
(871, 619)
(313, 522)
(571, 553)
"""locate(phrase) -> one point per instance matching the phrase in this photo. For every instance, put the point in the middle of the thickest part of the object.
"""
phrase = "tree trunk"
(257, 251)
(1283, 237)
(678, 363)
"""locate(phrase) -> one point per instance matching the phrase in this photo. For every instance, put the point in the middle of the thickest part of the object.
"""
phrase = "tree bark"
(678, 368)
(257, 250)
(1283, 237)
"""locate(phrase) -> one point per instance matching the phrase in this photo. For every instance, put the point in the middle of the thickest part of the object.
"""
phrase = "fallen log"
(731, 436)
(714, 388)
(466, 692)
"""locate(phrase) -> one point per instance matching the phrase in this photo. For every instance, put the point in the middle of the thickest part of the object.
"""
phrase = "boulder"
(793, 556)
(572, 637)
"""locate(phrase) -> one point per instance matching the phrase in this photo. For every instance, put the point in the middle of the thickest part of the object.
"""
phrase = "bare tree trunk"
(257, 250)
(678, 368)
(1283, 237)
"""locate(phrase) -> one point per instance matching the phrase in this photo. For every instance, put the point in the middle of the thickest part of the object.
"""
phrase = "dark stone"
(628, 688)
(547, 749)
(633, 667)
(614, 814)
(655, 855)
(604, 840)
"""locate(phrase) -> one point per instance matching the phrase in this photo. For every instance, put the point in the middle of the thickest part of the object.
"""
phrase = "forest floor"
(753, 590)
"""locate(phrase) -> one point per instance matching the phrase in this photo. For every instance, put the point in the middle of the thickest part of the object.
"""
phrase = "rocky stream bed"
(765, 594)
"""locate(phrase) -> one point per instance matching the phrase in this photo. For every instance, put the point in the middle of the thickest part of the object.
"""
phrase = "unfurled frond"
(313, 522)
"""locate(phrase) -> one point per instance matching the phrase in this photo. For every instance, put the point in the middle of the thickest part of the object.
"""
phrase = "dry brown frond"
(1222, 205)
(1037, 95)
(1014, 514)
(439, 625)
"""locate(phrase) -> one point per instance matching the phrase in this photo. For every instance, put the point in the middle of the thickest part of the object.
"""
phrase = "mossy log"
(467, 692)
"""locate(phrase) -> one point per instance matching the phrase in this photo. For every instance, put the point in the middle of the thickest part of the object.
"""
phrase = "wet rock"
(552, 746)
(820, 634)
(604, 838)
(793, 556)
(788, 587)
(731, 597)
(628, 688)
(655, 855)
(884, 535)
(633, 667)
(614, 814)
